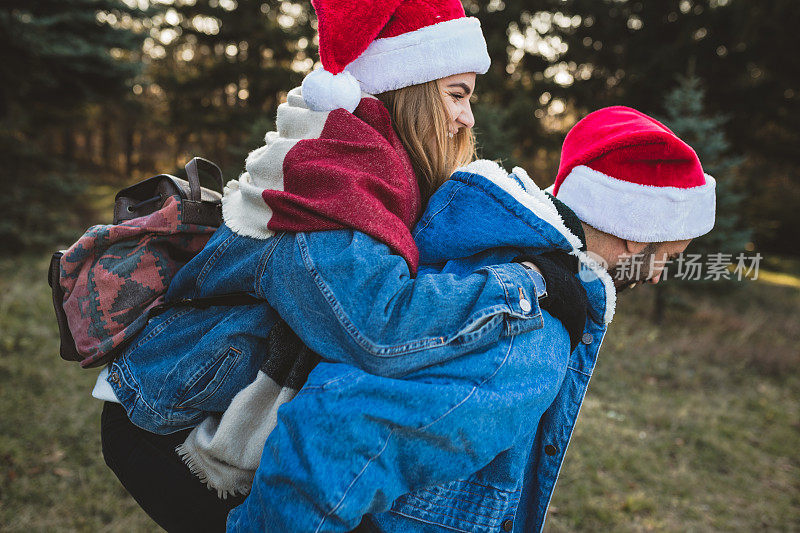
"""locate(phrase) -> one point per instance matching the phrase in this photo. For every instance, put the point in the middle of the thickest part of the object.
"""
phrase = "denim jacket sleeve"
(353, 301)
(371, 440)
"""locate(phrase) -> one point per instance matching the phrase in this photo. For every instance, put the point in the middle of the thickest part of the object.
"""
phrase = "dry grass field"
(691, 426)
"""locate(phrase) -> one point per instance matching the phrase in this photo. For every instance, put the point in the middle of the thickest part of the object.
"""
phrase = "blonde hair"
(421, 121)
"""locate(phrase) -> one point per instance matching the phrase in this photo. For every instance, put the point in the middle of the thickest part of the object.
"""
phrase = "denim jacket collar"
(482, 207)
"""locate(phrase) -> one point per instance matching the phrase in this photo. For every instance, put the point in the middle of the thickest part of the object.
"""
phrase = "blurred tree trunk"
(129, 151)
(69, 143)
(105, 148)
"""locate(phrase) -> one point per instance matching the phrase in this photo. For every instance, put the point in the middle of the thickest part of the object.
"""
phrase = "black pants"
(153, 473)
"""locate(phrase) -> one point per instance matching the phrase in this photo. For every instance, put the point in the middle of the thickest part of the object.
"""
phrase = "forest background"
(106, 92)
(691, 424)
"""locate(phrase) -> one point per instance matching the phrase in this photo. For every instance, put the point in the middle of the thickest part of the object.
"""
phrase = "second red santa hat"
(380, 45)
(628, 175)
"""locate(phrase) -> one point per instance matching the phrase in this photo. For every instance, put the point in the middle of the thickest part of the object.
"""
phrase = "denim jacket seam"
(501, 283)
(365, 343)
(160, 327)
(188, 403)
(453, 498)
(471, 183)
(514, 315)
(391, 433)
(203, 369)
(327, 383)
(427, 521)
(374, 349)
(127, 376)
(462, 511)
(572, 367)
(495, 312)
(263, 262)
(553, 482)
(441, 514)
(429, 219)
(132, 383)
(327, 295)
(490, 487)
(356, 478)
(212, 260)
(474, 388)
(511, 309)
(451, 489)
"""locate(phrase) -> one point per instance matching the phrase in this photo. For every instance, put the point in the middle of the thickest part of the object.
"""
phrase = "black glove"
(566, 298)
(288, 360)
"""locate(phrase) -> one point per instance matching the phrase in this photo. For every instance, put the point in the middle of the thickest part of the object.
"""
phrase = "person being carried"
(493, 425)
(476, 443)
(319, 229)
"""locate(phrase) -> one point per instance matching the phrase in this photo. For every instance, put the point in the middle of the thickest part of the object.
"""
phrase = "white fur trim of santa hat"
(637, 212)
(429, 53)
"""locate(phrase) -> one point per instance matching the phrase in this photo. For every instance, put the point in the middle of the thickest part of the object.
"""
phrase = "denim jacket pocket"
(155, 326)
(460, 505)
(199, 390)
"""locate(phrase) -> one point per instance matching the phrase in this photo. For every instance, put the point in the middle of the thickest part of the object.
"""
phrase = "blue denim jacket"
(344, 293)
(467, 443)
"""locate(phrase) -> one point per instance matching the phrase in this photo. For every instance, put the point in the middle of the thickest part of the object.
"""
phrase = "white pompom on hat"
(381, 45)
(323, 91)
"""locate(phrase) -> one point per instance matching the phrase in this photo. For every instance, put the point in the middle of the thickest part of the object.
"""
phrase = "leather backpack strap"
(196, 210)
(193, 169)
(67, 348)
(235, 298)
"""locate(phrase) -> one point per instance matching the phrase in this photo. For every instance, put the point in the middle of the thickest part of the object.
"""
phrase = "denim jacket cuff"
(523, 288)
(538, 283)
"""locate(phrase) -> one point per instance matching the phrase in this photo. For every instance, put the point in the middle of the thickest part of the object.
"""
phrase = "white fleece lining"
(436, 51)
(642, 213)
(536, 201)
(224, 452)
(243, 208)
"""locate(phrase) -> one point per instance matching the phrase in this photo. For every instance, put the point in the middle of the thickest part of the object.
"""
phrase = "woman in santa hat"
(358, 149)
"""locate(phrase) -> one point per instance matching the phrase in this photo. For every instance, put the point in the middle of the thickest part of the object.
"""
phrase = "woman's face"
(456, 91)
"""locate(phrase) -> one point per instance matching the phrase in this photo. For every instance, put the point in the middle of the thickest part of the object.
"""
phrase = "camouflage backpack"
(109, 283)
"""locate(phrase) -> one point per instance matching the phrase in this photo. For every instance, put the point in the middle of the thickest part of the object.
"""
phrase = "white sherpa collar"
(536, 201)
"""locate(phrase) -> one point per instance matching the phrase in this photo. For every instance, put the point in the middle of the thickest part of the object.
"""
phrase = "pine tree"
(687, 117)
(57, 55)
(223, 65)
(626, 52)
(56, 58)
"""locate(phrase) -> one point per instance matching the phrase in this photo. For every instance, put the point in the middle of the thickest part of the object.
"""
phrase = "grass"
(52, 474)
(693, 426)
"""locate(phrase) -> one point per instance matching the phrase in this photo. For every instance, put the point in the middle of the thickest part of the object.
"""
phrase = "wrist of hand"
(567, 300)
(531, 266)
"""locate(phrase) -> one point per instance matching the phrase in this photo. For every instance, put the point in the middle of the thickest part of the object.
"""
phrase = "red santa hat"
(381, 45)
(627, 174)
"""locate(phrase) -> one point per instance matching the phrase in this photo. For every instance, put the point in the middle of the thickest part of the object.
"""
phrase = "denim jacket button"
(524, 303)
(550, 450)
(587, 338)
(507, 524)
(114, 378)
